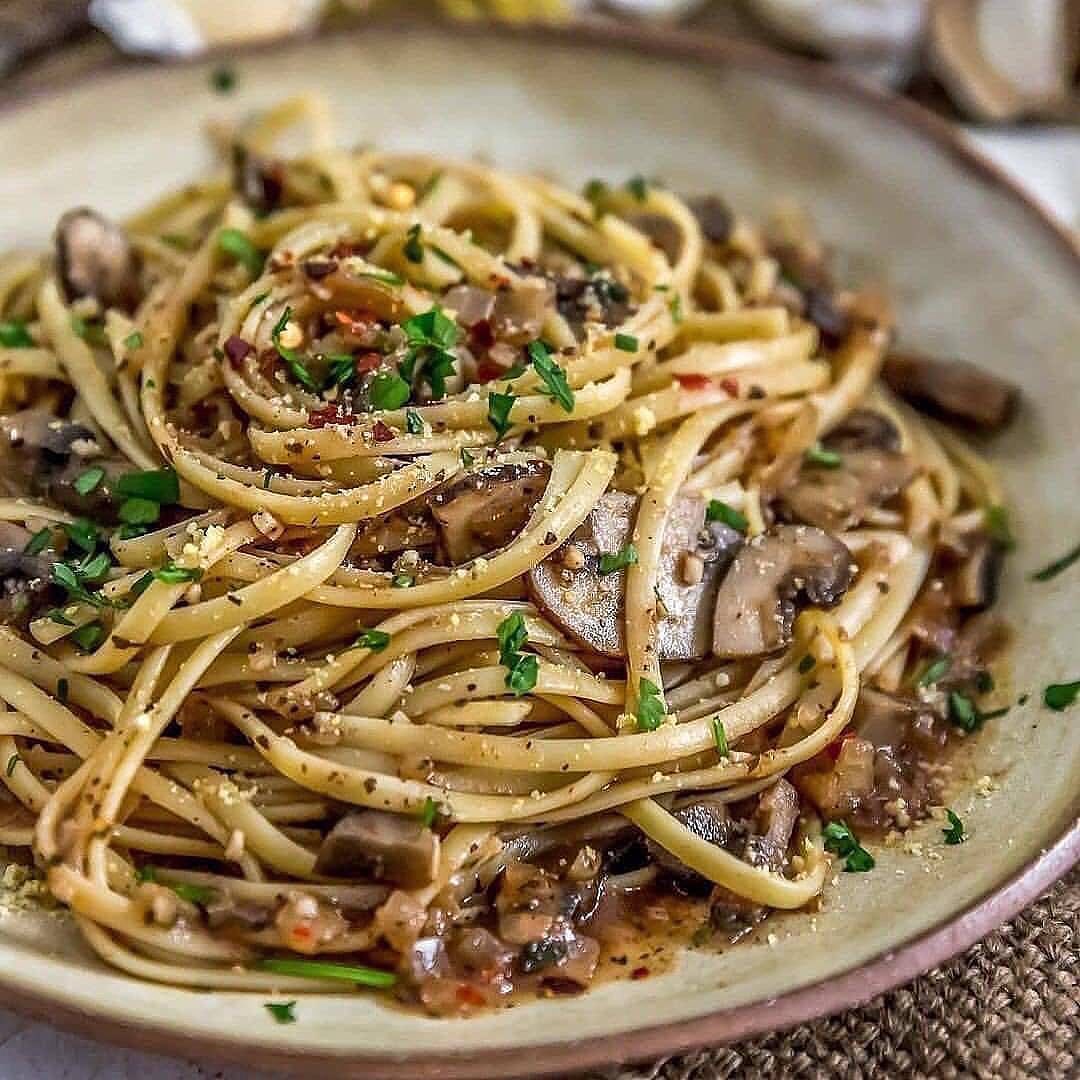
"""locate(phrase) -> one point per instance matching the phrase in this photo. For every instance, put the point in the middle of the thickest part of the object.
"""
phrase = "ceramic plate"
(977, 272)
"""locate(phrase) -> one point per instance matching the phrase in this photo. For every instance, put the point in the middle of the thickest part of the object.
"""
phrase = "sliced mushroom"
(871, 472)
(470, 304)
(755, 604)
(706, 817)
(392, 533)
(955, 390)
(778, 810)
(519, 313)
(386, 847)
(974, 582)
(95, 258)
(714, 216)
(24, 578)
(258, 180)
(589, 606)
(596, 299)
(662, 231)
(486, 508)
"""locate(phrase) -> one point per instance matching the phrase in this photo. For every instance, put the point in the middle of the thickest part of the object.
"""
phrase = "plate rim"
(848, 989)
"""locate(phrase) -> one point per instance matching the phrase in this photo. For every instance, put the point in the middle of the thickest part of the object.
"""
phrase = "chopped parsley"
(1057, 566)
(171, 574)
(88, 637)
(281, 1011)
(414, 425)
(638, 186)
(934, 671)
(626, 343)
(92, 333)
(823, 458)
(83, 533)
(14, 335)
(954, 834)
(341, 369)
(139, 511)
(650, 710)
(293, 360)
(552, 376)
(996, 520)
(223, 79)
(1059, 696)
(728, 515)
(158, 485)
(431, 337)
(375, 640)
(238, 245)
(966, 715)
(466, 458)
(595, 191)
(610, 562)
(498, 415)
(522, 668)
(134, 340)
(39, 541)
(428, 813)
(86, 481)
(389, 390)
(402, 581)
(322, 969)
(720, 736)
(413, 249)
(74, 580)
(840, 840)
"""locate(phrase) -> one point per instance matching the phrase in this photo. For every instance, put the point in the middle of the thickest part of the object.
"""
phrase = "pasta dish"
(422, 577)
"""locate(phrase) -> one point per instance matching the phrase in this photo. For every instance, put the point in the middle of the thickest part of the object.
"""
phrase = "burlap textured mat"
(1009, 1008)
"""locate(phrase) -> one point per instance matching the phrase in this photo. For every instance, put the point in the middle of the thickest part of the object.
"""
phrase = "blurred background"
(1007, 70)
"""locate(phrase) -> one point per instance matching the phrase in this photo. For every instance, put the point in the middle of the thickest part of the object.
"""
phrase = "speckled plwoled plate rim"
(1045, 854)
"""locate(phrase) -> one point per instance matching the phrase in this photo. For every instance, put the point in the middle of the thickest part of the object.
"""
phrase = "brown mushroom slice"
(871, 471)
(974, 582)
(714, 217)
(382, 846)
(706, 817)
(778, 810)
(486, 508)
(589, 606)
(661, 231)
(95, 258)
(391, 533)
(955, 390)
(755, 604)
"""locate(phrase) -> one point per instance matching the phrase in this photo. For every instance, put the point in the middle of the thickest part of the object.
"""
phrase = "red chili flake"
(639, 973)
(330, 414)
(381, 432)
(730, 385)
(236, 348)
(368, 361)
(693, 382)
(486, 371)
(469, 995)
(301, 931)
(834, 748)
(482, 335)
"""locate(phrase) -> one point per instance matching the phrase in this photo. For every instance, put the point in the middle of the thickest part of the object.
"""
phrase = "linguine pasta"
(413, 566)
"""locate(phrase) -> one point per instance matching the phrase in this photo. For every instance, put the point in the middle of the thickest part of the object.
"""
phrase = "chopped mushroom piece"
(953, 389)
(714, 216)
(662, 231)
(778, 810)
(486, 508)
(706, 817)
(974, 582)
(589, 605)
(95, 258)
(386, 847)
(870, 472)
(755, 605)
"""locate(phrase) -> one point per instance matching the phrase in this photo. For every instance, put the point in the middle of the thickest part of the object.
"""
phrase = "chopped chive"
(650, 710)
(610, 563)
(86, 481)
(321, 969)
(934, 671)
(728, 515)
(638, 186)
(171, 574)
(428, 813)
(676, 309)
(88, 637)
(239, 246)
(134, 340)
(954, 834)
(720, 736)
(822, 457)
(14, 335)
(139, 511)
(806, 664)
(414, 425)
(341, 369)
(1059, 696)
(281, 1011)
(11, 763)
(293, 359)
(375, 640)
(996, 520)
(385, 277)
(158, 485)
(1058, 566)
(402, 581)
(413, 249)
(626, 343)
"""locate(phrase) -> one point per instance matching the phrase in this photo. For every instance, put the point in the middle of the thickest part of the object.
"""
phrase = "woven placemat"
(1008, 1008)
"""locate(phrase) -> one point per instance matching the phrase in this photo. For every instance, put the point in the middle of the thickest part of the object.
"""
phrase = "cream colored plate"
(976, 273)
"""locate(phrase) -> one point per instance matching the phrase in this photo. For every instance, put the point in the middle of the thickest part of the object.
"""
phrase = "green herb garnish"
(806, 664)
(650, 710)
(413, 250)
(281, 1011)
(12, 762)
(675, 307)
(293, 359)
(595, 191)
(402, 581)
(223, 79)
(321, 969)
(552, 376)
(1057, 566)
(158, 485)
(498, 415)
(963, 713)
(934, 671)
(822, 457)
(86, 481)
(1059, 696)
(375, 640)
(522, 668)
(83, 533)
(728, 515)
(414, 425)
(720, 736)
(14, 335)
(134, 340)
(522, 677)
(619, 560)
(428, 813)
(389, 391)
(996, 520)
(386, 277)
(341, 369)
(139, 511)
(954, 834)
(840, 840)
(638, 186)
(38, 542)
(238, 245)
(88, 637)
(431, 337)
(626, 343)
(171, 574)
